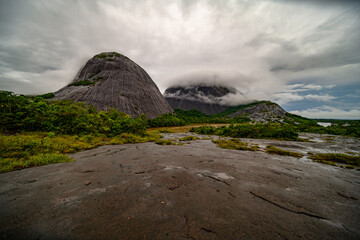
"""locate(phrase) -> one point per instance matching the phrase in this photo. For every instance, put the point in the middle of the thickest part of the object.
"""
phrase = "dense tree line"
(258, 130)
(21, 113)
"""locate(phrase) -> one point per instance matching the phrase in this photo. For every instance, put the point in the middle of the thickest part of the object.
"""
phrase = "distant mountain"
(111, 80)
(214, 100)
(261, 111)
(206, 99)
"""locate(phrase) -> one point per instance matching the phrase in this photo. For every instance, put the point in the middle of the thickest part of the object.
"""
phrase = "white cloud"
(312, 87)
(282, 98)
(329, 113)
(286, 97)
(308, 87)
(323, 98)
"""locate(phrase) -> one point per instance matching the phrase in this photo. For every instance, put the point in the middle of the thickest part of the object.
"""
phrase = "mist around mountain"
(208, 98)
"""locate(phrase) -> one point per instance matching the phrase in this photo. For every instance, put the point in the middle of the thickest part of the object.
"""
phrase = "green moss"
(336, 158)
(274, 150)
(82, 83)
(105, 55)
(101, 55)
(164, 130)
(92, 75)
(189, 138)
(235, 144)
(165, 142)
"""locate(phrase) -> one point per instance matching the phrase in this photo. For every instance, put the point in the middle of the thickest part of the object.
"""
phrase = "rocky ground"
(194, 191)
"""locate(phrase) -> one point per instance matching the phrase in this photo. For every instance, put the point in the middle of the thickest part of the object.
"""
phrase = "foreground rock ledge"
(194, 191)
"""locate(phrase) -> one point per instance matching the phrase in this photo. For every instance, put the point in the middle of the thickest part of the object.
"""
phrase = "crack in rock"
(95, 154)
(207, 230)
(287, 209)
(187, 228)
(347, 197)
(231, 194)
(214, 178)
(116, 151)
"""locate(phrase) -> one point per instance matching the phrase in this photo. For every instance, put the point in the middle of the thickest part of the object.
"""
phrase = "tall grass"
(35, 149)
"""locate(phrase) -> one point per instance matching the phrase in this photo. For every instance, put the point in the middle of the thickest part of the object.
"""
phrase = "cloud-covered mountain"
(205, 97)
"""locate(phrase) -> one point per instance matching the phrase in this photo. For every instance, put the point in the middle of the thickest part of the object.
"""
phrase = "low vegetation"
(189, 138)
(274, 150)
(235, 144)
(333, 158)
(338, 127)
(35, 149)
(105, 55)
(166, 120)
(269, 130)
(38, 131)
(10, 164)
(165, 142)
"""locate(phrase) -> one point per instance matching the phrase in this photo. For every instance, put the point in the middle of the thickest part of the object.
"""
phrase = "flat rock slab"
(194, 191)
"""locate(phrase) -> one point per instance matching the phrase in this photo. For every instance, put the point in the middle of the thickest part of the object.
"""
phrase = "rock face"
(206, 99)
(111, 80)
(262, 111)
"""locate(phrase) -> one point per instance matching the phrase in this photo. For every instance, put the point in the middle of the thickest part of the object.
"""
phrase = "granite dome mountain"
(111, 80)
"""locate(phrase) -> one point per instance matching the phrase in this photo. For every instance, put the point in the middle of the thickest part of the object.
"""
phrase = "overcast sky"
(304, 55)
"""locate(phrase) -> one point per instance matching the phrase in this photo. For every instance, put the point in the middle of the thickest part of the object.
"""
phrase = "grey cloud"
(236, 43)
(341, 34)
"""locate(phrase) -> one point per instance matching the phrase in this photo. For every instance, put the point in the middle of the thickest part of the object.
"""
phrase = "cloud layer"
(258, 47)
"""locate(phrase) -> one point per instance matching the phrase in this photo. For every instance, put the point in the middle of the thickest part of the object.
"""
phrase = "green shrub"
(269, 130)
(20, 113)
(166, 120)
(47, 95)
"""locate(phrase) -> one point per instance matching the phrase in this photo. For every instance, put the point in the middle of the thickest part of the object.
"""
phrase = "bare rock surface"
(114, 81)
(262, 112)
(194, 191)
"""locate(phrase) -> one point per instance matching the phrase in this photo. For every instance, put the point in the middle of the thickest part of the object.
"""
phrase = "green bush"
(20, 113)
(166, 120)
(269, 130)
